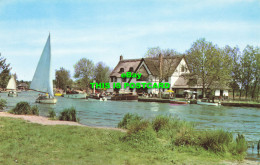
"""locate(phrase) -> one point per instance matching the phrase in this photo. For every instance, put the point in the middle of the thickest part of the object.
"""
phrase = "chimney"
(121, 57)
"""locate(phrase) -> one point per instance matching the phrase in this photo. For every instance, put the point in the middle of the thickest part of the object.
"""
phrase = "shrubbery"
(24, 108)
(52, 114)
(128, 118)
(180, 133)
(2, 104)
(69, 114)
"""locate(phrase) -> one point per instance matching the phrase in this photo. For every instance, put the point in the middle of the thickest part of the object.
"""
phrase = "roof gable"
(126, 65)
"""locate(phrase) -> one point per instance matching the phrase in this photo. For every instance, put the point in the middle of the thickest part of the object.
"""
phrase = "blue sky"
(102, 30)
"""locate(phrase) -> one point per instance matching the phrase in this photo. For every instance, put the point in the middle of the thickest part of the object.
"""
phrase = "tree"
(101, 73)
(163, 61)
(247, 68)
(4, 72)
(62, 78)
(84, 72)
(235, 55)
(210, 64)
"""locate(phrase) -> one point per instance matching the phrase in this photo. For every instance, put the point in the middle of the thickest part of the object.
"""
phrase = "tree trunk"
(233, 94)
(240, 93)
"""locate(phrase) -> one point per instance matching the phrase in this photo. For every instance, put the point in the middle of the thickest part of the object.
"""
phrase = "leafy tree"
(256, 86)
(62, 78)
(163, 61)
(4, 72)
(210, 64)
(251, 70)
(84, 72)
(235, 55)
(102, 73)
(247, 68)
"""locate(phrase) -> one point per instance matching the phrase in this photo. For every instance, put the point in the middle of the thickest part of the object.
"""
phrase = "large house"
(150, 70)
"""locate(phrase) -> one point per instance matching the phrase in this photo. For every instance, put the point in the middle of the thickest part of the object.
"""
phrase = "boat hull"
(76, 96)
(47, 101)
(178, 102)
(12, 94)
(126, 98)
(205, 103)
(57, 94)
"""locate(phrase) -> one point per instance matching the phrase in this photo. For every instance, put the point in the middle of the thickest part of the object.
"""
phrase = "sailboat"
(42, 81)
(12, 87)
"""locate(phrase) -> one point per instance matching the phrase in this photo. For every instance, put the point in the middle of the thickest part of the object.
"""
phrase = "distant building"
(23, 86)
(178, 76)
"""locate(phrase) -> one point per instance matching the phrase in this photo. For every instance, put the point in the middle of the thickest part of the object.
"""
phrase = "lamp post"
(94, 81)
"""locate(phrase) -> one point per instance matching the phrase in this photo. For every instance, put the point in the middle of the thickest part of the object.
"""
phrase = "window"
(121, 70)
(123, 79)
(182, 68)
(111, 79)
(166, 79)
(143, 78)
(131, 69)
(115, 79)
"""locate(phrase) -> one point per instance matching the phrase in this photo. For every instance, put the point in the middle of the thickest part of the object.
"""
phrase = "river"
(98, 113)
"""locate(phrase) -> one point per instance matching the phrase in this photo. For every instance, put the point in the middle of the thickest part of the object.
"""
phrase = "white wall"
(178, 72)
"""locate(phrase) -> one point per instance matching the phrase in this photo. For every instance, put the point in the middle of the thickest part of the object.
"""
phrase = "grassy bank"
(27, 143)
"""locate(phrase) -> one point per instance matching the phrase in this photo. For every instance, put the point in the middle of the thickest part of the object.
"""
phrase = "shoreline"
(46, 121)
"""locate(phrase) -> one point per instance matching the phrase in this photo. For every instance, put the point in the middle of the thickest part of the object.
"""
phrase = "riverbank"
(31, 143)
(224, 103)
(241, 104)
(46, 121)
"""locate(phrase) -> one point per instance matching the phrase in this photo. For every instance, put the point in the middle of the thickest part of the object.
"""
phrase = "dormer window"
(121, 70)
(131, 69)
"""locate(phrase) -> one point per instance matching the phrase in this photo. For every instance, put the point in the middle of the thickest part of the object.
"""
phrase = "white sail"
(42, 77)
(11, 84)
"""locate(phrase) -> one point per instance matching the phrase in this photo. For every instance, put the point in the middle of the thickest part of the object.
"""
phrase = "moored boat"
(57, 94)
(12, 87)
(75, 95)
(204, 102)
(178, 102)
(124, 96)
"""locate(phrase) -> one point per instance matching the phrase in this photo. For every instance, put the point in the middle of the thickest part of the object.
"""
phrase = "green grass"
(26, 143)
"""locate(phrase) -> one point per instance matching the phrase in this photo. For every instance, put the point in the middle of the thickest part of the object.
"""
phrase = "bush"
(138, 126)
(160, 122)
(128, 119)
(2, 104)
(216, 140)
(241, 144)
(21, 108)
(24, 108)
(34, 110)
(186, 136)
(52, 114)
(69, 114)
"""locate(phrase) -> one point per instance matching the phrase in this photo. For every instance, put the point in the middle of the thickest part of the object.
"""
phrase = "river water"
(98, 113)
